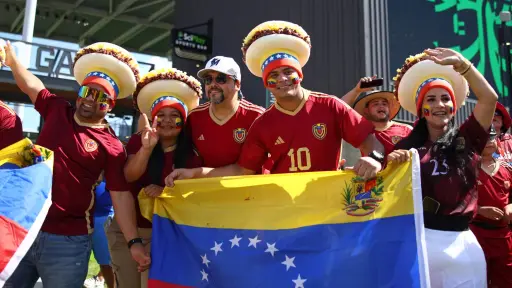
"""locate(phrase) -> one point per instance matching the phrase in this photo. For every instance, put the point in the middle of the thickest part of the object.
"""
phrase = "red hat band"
(430, 84)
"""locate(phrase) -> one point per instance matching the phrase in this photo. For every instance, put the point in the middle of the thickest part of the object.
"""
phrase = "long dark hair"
(450, 147)
(182, 153)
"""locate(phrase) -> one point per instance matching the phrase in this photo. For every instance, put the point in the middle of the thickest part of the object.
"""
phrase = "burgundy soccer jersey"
(82, 151)
(11, 130)
(392, 135)
(441, 182)
(307, 139)
(217, 142)
(494, 190)
(132, 148)
(505, 147)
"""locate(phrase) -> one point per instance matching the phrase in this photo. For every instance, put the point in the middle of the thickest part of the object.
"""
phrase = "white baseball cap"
(225, 65)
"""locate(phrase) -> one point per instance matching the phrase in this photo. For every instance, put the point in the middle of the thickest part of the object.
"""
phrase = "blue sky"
(28, 115)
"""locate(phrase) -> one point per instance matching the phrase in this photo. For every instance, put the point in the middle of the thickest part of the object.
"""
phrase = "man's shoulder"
(203, 108)
(402, 125)
(251, 107)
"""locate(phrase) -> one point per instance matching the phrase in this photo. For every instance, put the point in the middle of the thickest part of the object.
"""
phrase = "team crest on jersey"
(90, 145)
(319, 131)
(239, 134)
(361, 197)
(395, 139)
(506, 184)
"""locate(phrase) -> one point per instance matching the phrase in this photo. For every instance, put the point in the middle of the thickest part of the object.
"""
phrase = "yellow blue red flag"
(25, 190)
(321, 229)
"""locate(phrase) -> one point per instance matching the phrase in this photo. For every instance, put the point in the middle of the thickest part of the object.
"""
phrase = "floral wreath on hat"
(274, 44)
(109, 66)
(167, 87)
(418, 75)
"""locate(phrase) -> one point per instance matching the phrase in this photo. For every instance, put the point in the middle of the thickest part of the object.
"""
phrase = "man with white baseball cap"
(219, 127)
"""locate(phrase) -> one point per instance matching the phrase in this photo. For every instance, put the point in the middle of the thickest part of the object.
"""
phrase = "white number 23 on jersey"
(439, 169)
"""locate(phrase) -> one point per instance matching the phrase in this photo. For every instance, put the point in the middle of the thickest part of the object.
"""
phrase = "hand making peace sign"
(148, 133)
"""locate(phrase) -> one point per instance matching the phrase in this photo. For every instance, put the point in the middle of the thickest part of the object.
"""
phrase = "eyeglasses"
(96, 94)
(220, 79)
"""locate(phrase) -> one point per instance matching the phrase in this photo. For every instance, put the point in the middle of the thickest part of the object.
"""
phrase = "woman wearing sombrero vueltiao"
(166, 96)
(433, 86)
(85, 146)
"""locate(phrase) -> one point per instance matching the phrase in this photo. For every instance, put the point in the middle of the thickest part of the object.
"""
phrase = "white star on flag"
(102, 75)
(253, 241)
(205, 276)
(288, 262)
(95, 73)
(278, 56)
(266, 62)
(234, 241)
(217, 248)
(271, 58)
(108, 78)
(271, 248)
(299, 283)
(205, 260)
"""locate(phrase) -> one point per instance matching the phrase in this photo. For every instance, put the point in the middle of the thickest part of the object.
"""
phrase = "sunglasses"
(96, 94)
(220, 79)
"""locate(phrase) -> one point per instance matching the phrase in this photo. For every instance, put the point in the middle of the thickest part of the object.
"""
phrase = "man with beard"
(219, 127)
(303, 130)
(501, 122)
(84, 145)
(380, 107)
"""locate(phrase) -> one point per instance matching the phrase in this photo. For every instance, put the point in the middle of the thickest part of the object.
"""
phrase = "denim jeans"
(60, 261)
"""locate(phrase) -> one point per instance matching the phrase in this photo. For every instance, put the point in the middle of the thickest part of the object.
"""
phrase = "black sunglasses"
(220, 79)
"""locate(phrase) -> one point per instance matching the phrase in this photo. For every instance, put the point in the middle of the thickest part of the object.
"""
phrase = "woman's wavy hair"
(457, 156)
(450, 147)
(183, 151)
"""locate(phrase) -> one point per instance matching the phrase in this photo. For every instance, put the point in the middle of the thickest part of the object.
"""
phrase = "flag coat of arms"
(319, 229)
(25, 190)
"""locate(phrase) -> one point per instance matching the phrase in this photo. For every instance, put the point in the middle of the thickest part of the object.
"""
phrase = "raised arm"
(485, 94)
(137, 163)
(351, 95)
(26, 81)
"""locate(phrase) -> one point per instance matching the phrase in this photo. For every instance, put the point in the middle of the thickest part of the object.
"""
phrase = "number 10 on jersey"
(300, 160)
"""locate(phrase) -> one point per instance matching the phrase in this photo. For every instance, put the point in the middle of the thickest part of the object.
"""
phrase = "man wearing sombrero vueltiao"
(166, 96)
(379, 107)
(303, 130)
(84, 146)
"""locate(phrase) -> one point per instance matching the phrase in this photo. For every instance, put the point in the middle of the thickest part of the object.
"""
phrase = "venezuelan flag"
(321, 229)
(25, 187)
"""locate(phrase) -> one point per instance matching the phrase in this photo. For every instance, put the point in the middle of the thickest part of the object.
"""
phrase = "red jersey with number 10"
(219, 142)
(307, 139)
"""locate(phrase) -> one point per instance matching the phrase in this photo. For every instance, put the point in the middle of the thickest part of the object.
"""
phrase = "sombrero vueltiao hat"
(167, 87)
(418, 75)
(362, 102)
(500, 109)
(109, 66)
(274, 44)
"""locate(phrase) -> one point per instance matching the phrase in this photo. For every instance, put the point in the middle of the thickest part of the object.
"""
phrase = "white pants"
(455, 260)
